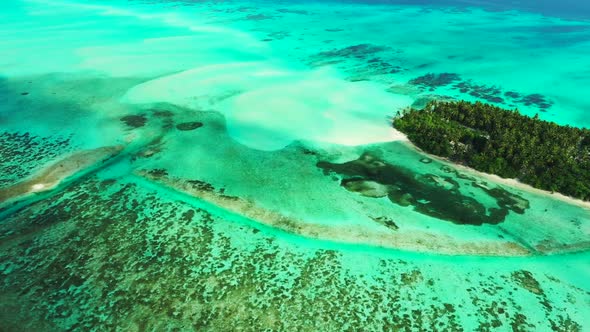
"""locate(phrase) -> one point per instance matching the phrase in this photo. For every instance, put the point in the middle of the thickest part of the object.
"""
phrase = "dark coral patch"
(292, 11)
(386, 221)
(363, 61)
(536, 99)
(512, 94)
(526, 280)
(355, 51)
(22, 153)
(433, 81)
(162, 113)
(158, 172)
(491, 94)
(186, 126)
(429, 194)
(134, 121)
(258, 17)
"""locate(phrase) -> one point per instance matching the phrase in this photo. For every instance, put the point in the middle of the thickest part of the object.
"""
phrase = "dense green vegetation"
(493, 140)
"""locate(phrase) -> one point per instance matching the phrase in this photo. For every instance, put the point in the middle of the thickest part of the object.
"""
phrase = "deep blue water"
(567, 9)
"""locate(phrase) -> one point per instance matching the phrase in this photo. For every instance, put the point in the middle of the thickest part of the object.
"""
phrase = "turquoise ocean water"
(244, 196)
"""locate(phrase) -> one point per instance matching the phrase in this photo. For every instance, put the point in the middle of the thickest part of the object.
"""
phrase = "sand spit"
(396, 239)
(51, 176)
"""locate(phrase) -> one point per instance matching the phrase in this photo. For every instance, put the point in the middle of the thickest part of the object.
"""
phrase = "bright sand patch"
(267, 107)
(51, 176)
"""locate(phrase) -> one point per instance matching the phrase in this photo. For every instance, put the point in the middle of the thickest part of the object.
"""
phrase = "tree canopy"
(487, 138)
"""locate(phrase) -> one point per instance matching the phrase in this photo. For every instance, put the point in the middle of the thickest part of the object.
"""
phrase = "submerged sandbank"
(268, 107)
(289, 190)
(422, 241)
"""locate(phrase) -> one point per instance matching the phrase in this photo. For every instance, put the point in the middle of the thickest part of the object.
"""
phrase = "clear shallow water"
(277, 88)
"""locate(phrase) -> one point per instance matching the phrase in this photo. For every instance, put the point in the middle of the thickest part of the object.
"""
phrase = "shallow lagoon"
(234, 223)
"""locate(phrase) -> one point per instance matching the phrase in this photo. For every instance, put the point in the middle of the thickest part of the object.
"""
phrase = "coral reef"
(428, 193)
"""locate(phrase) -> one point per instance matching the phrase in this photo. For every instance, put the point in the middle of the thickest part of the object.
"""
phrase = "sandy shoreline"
(503, 181)
(52, 175)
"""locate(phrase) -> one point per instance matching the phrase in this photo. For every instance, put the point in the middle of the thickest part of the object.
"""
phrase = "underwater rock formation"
(429, 194)
(186, 126)
(433, 81)
(361, 62)
(134, 121)
(491, 94)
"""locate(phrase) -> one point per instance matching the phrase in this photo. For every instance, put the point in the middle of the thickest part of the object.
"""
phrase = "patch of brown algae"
(52, 175)
(409, 239)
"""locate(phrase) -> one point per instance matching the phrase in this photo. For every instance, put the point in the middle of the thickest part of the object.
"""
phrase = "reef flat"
(261, 185)
(117, 254)
(415, 240)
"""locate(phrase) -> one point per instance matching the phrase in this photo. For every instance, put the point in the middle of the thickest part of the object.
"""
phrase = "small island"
(493, 140)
